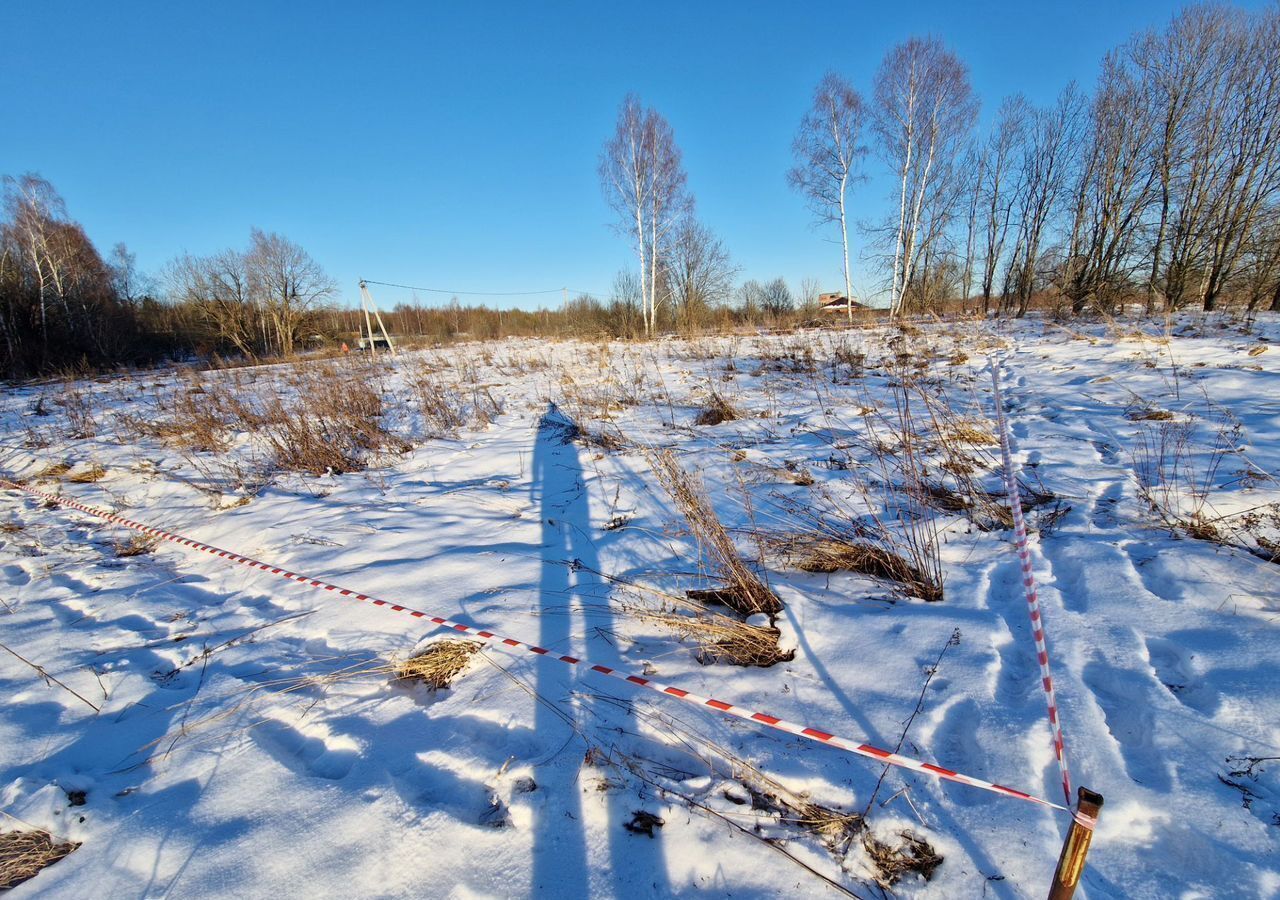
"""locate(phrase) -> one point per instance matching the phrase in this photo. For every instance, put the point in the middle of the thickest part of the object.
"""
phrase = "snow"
(250, 741)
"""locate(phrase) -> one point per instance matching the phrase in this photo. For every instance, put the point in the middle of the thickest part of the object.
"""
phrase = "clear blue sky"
(455, 144)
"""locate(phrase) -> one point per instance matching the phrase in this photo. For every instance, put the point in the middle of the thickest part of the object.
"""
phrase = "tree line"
(1162, 186)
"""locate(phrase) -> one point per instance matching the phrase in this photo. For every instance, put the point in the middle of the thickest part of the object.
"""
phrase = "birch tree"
(924, 109)
(827, 149)
(643, 180)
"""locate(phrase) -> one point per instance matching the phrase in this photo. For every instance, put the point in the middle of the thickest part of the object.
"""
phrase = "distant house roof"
(836, 301)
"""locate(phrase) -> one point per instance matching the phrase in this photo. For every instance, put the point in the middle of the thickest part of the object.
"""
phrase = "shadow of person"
(570, 591)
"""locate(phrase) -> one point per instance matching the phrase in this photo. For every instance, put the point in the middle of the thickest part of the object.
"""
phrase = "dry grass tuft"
(746, 594)
(820, 553)
(54, 470)
(912, 855)
(136, 545)
(11, 527)
(439, 664)
(332, 427)
(723, 639)
(24, 853)
(443, 411)
(94, 473)
(1148, 414)
(969, 431)
(716, 411)
(81, 417)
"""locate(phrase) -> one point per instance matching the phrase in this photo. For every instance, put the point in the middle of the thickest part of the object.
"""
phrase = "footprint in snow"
(1177, 672)
(1128, 705)
(955, 744)
(318, 753)
(16, 575)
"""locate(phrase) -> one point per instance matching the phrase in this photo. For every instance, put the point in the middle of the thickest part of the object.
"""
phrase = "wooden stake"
(1076, 848)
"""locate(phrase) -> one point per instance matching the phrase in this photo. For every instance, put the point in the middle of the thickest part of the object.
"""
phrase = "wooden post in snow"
(1076, 847)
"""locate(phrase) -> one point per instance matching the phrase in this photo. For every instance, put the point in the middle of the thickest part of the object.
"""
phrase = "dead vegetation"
(439, 664)
(88, 475)
(721, 638)
(23, 854)
(1148, 414)
(811, 552)
(77, 405)
(136, 545)
(331, 425)
(777, 809)
(717, 410)
(1178, 466)
(911, 855)
(743, 592)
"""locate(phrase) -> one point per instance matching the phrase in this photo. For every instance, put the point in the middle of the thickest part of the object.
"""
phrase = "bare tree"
(644, 182)
(750, 299)
(33, 210)
(287, 284)
(699, 269)
(1048, 152)
(776, 299)
(998, 187)
(975, 164)
(924, 109)
(1187, 71)
(810, 289)
(827, 152)
(1112, 193)
(1250, 163)
(56, 283)
(216, 289)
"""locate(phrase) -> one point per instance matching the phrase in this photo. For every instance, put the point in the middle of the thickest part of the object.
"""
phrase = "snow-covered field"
(249, 740)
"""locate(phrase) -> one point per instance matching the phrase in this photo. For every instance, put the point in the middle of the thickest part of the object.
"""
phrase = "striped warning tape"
(1029, 584)
(852, 745)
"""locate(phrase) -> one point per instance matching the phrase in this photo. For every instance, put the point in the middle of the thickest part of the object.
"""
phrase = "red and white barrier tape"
(1029, 584)
(852, 745)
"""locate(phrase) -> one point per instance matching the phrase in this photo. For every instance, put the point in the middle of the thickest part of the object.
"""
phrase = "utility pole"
(366, 302)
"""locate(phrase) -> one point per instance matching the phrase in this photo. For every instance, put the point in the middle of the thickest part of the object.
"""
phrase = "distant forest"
(1160, 189)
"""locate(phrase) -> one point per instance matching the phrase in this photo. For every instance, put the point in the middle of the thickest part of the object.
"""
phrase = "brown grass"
(332, 426)
(723, 639)
(94, 473)
(197, 420)
(24, 853)
(746, 594)
(54, 470)
(968, 431)
(81, 419)
(716, 411)
(819, 553)
(10, 527)
(443, 411)
(439, 664)
(136, 545)
(1148, 414)
(912, 855)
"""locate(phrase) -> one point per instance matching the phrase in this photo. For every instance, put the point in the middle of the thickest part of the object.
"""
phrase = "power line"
(410, 287)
